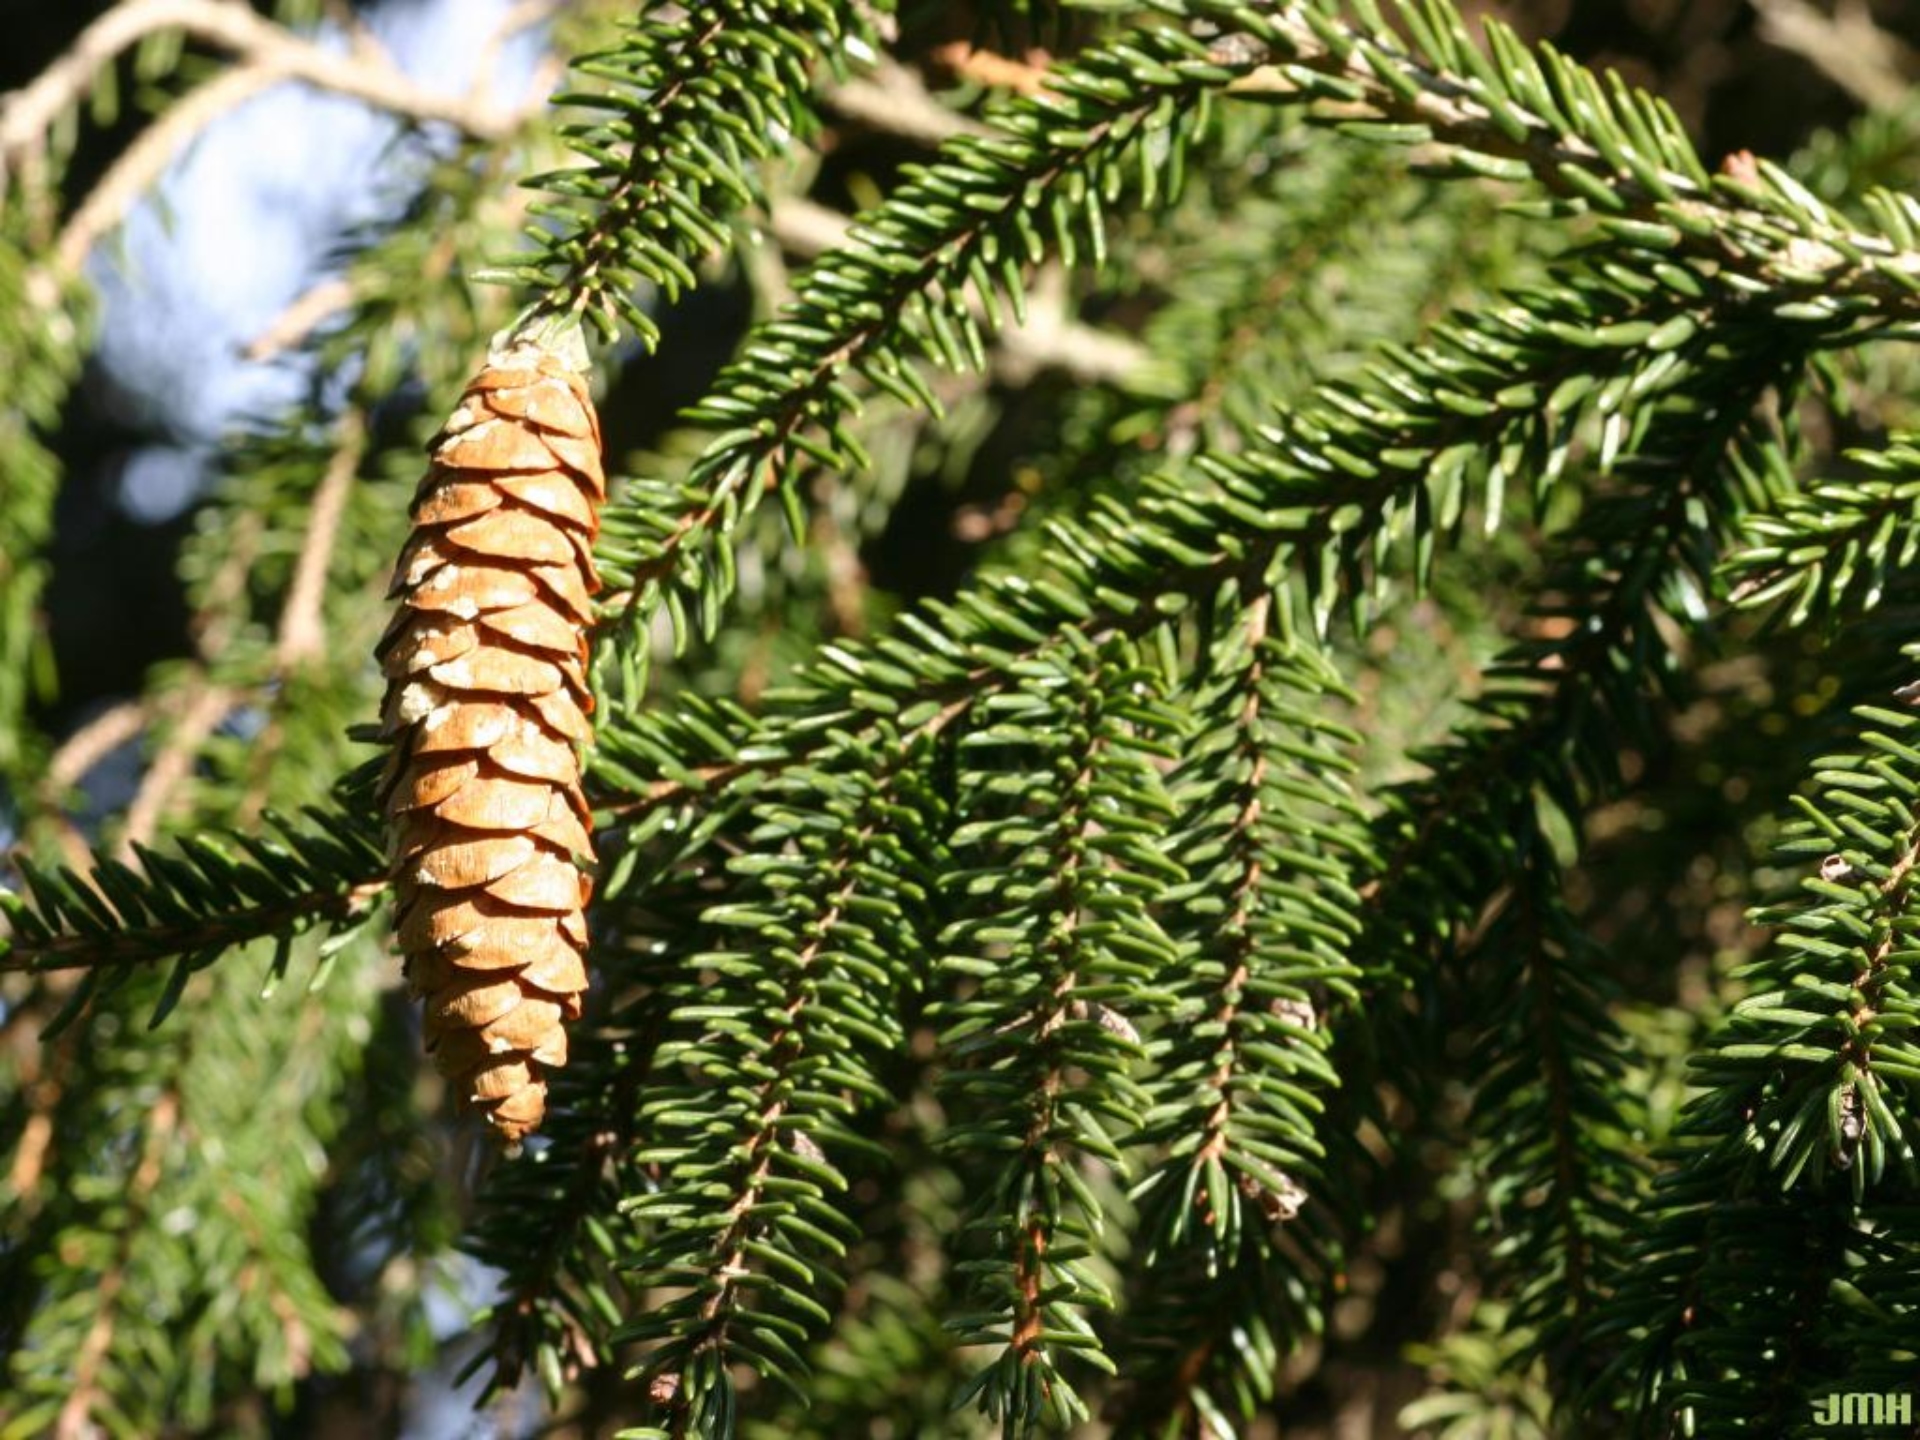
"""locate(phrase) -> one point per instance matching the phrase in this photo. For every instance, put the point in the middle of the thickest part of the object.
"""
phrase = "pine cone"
(486, 697)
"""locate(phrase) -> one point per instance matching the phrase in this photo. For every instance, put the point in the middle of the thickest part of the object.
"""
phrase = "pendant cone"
(486, 694)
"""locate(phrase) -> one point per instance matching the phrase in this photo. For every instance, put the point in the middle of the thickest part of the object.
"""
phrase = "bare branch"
(302, 632)
(1026, 76)
(174, 762)
(87, 746)
(27, 114)
(522, 16)
(294, 324)
(894, 101)
(267, 54)
(1847, 47)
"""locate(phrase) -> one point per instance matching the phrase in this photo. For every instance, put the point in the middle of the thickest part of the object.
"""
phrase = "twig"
(1051, 339)
(996, 72)
(523, 16)
(39, 1080)
(140, 164)
(327, 298)
(87, 746)
(362, 43)
(300, 319)
(174, 763)
(1847, 47)
(302, 631)
(27, 113)
(893, 100)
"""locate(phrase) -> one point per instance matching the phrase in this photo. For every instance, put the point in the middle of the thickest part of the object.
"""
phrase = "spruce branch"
(1558, 707)
(1267, 921)
(1059, 959)
(1528, 112)
(232, 1301)
(1203, 1347)
(1555, 715)
(1831, 551)
(1560, 1179)
(206, 898)
(959, 235)
(1800, 1074)
(232, 1291)
(692, 102)
(560, 1295)
(950, 245)
(1265, 305)
(1105, 782)
(1871, 1299)
(1328, 488)
(1048, 338)
(792, 1031)
(1270, 923)
(1724, 1271)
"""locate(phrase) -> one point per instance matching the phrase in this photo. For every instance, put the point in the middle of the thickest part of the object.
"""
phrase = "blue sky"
(247, 220)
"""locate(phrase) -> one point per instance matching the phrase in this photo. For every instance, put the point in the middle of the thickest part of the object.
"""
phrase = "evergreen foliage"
(1045, 986)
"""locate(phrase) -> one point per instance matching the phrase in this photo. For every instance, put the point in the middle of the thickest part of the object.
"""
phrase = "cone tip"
(535, 335)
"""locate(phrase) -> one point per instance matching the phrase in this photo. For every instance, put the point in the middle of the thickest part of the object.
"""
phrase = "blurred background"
(198, 322)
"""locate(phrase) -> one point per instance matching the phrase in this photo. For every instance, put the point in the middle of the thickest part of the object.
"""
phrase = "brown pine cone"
(486, 697)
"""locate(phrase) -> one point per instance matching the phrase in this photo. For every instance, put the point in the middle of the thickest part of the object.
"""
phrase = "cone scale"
(486, 660)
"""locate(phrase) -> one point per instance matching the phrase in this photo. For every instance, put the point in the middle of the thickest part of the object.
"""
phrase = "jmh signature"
(1863, 1409)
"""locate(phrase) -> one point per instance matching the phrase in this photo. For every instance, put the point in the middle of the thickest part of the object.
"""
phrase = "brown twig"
(303, 632)
(76, 1415)
(87, 746)
(893, 100)
(362, 43)
(174, 763)
(522, 16)
(996, 72)
(365, 73)
(39, 1080)
(1867, 62)
(294, 324)
(141, 163)
(329, 297)
(78, 754)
